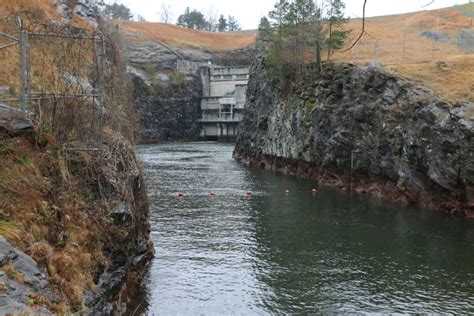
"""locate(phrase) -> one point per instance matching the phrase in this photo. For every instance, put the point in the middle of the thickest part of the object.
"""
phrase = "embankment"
(73, 208)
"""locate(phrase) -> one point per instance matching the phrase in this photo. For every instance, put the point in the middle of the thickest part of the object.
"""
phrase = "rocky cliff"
(404, 143)
(73, 222)
(170, 110)
(166, 98)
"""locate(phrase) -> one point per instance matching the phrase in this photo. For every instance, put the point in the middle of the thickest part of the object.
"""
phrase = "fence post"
(376, 50)
(101, 69)
(24, 71)
(403, 48)
(433, 49)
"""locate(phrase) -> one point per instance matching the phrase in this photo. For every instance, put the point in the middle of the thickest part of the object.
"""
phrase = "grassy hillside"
(440, 65)
(177, 35)
(400, 45)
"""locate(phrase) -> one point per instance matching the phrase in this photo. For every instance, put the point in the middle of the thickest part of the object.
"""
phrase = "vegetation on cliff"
(363, 127)
(296, 33)
(81, 213)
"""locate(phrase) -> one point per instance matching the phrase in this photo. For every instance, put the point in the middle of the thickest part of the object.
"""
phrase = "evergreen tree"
(232, 24)
(265, 32)
(222, 24)
(336, 20)
(117, 12)
(294, 28)
(277, 15)
(297, 21)
(192, 20)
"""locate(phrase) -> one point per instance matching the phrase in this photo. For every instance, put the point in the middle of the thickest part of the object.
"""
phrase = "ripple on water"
(299, 253)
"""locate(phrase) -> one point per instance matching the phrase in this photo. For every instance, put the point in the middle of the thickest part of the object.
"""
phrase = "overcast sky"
(249, 12)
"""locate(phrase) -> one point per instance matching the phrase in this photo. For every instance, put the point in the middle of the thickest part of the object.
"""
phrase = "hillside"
(433, 59)
(395, 41)
(179, 36)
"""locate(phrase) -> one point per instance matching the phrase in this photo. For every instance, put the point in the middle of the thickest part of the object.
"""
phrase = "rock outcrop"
(14, 122)
(81, 214)
(167, 97)
(20, 282)
(405, 143)
(170, 111)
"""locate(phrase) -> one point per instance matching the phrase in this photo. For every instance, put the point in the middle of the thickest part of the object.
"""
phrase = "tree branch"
(361, 32)
(428, 4)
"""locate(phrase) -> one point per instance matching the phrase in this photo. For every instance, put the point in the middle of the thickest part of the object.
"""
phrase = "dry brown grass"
(452, 78)
(177, 35)
(55, 222)
(419, 62)
(35, 14)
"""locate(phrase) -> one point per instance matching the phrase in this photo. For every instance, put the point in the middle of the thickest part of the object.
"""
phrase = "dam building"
(223, 101)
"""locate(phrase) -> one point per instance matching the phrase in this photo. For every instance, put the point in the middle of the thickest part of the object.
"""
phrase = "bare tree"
(211, 18)
(166, 13)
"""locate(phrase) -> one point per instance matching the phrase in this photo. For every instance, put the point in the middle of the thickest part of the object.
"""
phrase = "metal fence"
(55, 75)
(411, 48)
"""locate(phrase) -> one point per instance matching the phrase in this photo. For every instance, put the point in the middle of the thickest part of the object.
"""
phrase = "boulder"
(14, 122)
(15, 293)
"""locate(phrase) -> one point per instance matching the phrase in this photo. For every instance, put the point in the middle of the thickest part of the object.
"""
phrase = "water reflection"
(295, 253)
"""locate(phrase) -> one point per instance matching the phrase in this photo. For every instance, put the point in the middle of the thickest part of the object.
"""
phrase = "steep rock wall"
(170, 112)
(405, 143)
(74, 224)
(167, 99)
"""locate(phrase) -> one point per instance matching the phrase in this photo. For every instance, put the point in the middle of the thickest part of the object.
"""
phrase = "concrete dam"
(223, 101)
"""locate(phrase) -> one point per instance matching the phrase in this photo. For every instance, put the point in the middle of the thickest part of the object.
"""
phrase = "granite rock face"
(168, 113)
(405, 143)
(14, 293)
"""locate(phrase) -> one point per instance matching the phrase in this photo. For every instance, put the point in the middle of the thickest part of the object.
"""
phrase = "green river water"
(277, 253)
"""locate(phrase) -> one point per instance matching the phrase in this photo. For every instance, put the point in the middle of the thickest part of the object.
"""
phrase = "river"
(296, 252)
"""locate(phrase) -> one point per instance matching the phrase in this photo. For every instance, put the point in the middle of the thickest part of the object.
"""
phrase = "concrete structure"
(223, 101)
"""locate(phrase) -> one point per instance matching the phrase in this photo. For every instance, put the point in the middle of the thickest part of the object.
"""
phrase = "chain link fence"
(411, 48)
(54, 74)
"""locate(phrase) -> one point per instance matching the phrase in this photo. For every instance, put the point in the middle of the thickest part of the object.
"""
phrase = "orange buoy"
(314, 190)
(287, 191)
(249, 193)
(181, 194)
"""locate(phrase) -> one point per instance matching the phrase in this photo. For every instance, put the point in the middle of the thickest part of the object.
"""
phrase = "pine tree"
(192, 20)
(232, 24)
(301, 14)
(293, 28)
(222, 24)
(277, 15)
(336, 20)
(117, 12)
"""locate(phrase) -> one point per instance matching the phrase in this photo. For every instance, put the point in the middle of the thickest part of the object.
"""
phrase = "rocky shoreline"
(403, 142)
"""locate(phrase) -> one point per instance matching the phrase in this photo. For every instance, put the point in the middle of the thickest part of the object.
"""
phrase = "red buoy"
(249, 193)
(213, 194)
(287, 191)
(181, 194)
(314, 190)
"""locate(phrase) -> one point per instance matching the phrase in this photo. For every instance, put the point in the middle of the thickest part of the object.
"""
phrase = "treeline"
(193, 19)
(296, 32)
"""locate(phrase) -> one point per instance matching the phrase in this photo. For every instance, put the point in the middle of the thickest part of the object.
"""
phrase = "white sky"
(249, 12)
